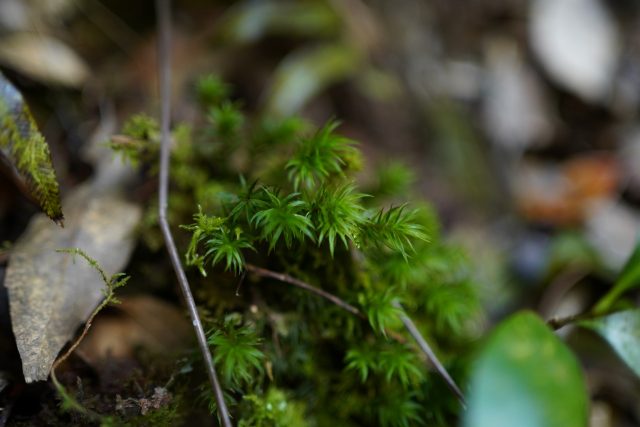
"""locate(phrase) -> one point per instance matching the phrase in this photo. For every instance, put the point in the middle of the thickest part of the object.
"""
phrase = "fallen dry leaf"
(563, 194)
(138, 322)
(50, 293)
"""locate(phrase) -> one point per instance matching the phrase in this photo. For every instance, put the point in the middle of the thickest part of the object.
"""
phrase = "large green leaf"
(629, 278)
(622, 331)
(23, 147)
(526, 377)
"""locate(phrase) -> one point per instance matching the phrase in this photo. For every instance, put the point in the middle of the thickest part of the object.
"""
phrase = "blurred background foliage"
(517, 119)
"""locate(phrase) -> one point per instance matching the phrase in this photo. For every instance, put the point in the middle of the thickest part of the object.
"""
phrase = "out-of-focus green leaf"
(571, 250)
(629, 278)
(305, 73)
(459, 150)
(526, 377)
(249, 21)
(23, 147)
(622, 331)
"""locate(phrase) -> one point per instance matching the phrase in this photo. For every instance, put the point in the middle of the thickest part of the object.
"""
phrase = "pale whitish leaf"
(43, 58)
(622, 331)
(50, 295)
(515, 112)
(526, 377)
(612, 229)
(577, 43)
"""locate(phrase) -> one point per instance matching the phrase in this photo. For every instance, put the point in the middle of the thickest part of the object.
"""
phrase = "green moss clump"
(269, 203)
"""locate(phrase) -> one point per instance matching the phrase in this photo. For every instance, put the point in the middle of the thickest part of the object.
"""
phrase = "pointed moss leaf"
(629, 278)
(323, 154)
(622, 331)
(339, 214)
(26, 151)
(362, 360)
(395, 228)
(525, 376)
(237, 353)
(283, 217)
(50, 295)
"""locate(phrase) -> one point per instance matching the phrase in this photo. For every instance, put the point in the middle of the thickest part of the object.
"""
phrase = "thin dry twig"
(406, 321)
(109, 297)
(560, 322)
(285, 278)
(300, 284)
(426, 349)
(66, 355)
(164, 20)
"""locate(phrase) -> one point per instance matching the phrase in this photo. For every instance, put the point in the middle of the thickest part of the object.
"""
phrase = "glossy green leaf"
(23, 147)
(304, 74)
(622, 331)
(629, 278)
(526, 377)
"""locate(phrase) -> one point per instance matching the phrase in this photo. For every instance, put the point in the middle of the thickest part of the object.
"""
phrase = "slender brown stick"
(407, 322)
(560, 322)
(164, 50)
(300, 284)
(285, 278)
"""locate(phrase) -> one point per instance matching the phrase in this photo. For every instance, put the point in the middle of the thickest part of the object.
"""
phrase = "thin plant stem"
(285, 278)
(431, 356)
(406, 321)
(300, 284)
(164, 51)
(560, 322)
(109, 297)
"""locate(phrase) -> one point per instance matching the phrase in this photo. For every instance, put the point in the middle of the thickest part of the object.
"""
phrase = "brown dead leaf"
(138, 322)
(562, 194)
(50, 294)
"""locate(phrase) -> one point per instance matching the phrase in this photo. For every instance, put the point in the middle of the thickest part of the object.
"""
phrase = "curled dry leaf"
(26, 152)
(50, 295)
(565, 194)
